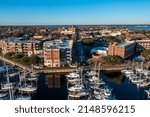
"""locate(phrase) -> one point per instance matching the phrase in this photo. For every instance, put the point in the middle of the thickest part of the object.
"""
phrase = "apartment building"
(25, 47)
(142, 44)
(124, 49)
(60, 49)
(52, 56)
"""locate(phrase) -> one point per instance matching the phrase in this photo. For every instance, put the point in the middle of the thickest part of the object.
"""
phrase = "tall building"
(124, 49)
(61, 50)
(52, 56)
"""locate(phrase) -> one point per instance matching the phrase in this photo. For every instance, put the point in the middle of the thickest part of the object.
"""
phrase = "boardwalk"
(15, 64)
(37, 71)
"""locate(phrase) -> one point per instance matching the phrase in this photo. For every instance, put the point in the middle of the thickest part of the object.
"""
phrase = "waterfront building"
(52, 56)
(123, 49)
(62, 50)
(19, 46)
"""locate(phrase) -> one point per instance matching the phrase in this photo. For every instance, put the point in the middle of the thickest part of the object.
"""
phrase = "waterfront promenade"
(110, 68)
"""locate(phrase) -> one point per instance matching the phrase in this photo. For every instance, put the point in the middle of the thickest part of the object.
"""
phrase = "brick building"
(124, 49)
(25, 47)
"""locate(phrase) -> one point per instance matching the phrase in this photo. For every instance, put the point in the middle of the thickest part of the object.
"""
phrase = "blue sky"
(53, 12)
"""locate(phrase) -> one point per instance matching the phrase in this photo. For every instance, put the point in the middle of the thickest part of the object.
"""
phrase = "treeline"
(25, 60)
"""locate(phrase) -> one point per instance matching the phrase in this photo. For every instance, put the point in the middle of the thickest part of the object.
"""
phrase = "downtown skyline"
(74, 12)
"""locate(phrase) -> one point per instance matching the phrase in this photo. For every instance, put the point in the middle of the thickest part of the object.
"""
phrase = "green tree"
(34, 60)
(113, 60)
(146, 53)
(25, 61)
(9, 55)
(88, 41)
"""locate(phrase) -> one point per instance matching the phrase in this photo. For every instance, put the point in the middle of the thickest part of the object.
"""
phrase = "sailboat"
(27, 88)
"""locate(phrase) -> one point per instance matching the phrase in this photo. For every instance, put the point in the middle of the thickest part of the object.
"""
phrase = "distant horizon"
(75, 25)
(74, 12)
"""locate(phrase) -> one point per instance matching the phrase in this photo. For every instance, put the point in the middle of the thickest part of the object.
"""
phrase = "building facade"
(52, 57)
(25, 47)
(142, 44)
(124, 50)
(57, 53)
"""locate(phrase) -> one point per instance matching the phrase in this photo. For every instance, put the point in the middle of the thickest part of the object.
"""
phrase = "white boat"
(148, 93)
(76, 88)
(22, 97)
(28, 89)
(91, 73)
(94, 79)
(7, 86)
(3, 95)
(143, 84)
(99, 96)
(74, 80)
(128, 72)
(73, 75)
(13, 74)
(78, 95)
(136, 81)
(32, 79)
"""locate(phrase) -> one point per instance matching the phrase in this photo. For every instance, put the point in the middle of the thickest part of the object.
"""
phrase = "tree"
(9, 55)
(146, 53)
(34, 59)
(25, 61)
(113, 60)
(88, 41)
(18, 56)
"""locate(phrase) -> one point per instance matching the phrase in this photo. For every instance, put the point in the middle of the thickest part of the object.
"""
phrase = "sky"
(74, 12)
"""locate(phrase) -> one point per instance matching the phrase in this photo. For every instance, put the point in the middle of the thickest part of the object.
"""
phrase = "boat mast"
(9, 85)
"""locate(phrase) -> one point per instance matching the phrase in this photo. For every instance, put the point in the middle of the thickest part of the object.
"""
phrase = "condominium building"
(25, 47)
(142, 44)
(61, 50)
(124, 49)
(52, 56)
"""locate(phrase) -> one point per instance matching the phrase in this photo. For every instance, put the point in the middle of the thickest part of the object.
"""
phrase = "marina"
(131, 84)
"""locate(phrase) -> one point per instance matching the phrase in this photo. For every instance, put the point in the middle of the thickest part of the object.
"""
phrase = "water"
(138, 27)
(54, 87)
(122, 88)
(51, 87)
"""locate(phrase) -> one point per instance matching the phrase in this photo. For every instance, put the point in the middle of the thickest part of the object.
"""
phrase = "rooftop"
(125, 43)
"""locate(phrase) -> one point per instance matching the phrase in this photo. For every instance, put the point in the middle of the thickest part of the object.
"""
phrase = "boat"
(81, 94)
(7, 86)
(143, 84)
(23, 97)
(73, 75)
(76, 88)
(148, 93)
(136, 80)
(3, 95)
(13, 74)
(28, 89)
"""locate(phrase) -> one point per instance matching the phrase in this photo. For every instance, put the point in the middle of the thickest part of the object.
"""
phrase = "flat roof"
(125, 43)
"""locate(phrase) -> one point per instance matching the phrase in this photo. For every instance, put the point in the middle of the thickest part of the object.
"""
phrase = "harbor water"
(54, 87)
